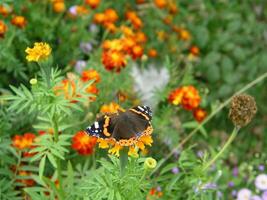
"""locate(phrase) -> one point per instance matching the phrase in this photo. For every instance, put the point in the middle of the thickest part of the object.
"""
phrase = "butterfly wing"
(144, 111)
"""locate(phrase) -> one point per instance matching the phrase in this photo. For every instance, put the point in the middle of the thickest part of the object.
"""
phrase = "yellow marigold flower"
(103, 144)
(133, 152)
(150, 163)
(39, 52)
(110, 108)
(115, 150)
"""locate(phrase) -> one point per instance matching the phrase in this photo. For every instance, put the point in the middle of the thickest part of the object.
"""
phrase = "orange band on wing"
(105, 131)
(133, 110)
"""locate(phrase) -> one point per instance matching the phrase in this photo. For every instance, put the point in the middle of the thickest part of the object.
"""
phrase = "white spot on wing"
(96, 125)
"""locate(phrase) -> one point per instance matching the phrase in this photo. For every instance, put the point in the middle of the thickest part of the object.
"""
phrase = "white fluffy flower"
(148, 81)
(261, 182)
(244, 194)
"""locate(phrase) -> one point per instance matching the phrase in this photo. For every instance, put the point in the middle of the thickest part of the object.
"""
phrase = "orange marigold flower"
(140, 1)
(187, 96)
(90, 74)
(194, 50)
(128, 44)
(199, 114)
(110, 108)
(23, 141)
(111, 15)
(154, 193)
(152, 53)
(66, 88)
(92, 89)
(115, 44)
(128, 32)
(140, 37)
(27, 182)
(99, 18)
(110, 27)
(59, 6)
(19, 21)
(4, 10)
(134, 19)
(172, 8)
(83, 143)
(191, 98)
(137, 51)
(160, 3)
(168, 19)
(93, 3)
(184, 35)
(114, 60)
(3, 29)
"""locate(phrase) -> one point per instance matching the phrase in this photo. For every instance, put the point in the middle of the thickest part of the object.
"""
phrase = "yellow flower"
(133, 152)
(115, 150)
(150, 163)
(103, 144)
(40, 51)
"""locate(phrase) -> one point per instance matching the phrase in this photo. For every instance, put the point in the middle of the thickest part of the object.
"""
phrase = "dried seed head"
(242, 110)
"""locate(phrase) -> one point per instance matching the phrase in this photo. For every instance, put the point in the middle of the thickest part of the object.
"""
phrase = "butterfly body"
(123, 127)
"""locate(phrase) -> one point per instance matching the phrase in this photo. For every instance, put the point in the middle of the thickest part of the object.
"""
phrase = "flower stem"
(59, 174)
(123, 160)
(226, 145)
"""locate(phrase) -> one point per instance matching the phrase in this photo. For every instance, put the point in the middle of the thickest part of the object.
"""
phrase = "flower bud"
(33, 81)
(150, 163)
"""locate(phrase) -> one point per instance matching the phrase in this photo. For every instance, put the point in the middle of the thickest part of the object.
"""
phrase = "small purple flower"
(86, 47)
(93, 28)
(244, 194)
(209, 186)
(255, 197)
(261, 182)
(234, 193)
(264, 195)
(235, 171)
(175, 170)
(231, 184)
(261, 168)
(159, 189)
(200, 154)
(80, 65)
(73, 10)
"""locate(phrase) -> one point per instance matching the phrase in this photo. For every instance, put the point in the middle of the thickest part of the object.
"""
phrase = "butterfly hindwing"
(123, 125)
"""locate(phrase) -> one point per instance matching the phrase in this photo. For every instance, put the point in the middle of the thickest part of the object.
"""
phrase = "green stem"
(226, 145)
(59, 173)
(143, 176)
(123, 160)
(208, 118)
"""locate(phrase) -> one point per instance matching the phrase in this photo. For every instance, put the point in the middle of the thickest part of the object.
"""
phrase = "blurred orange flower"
(134, 19)
(137, 51)
(110, 108)
(23, 141)
(111, 15)
(199, 114)
(160, 3)
(4, 10)
(93, 3)
(90, 74)
(194, 50)
(19, 21)
(152, 53)
(114, 60)
(3, 29)
(187, 96)
(27, 182)
(59, 6)
(184, 34)
(83, 143)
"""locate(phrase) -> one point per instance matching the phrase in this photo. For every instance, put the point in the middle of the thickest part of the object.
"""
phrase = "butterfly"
(123, 127)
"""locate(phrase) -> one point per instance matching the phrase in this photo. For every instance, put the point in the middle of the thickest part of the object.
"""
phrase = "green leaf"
(52, 160)
(42, 166)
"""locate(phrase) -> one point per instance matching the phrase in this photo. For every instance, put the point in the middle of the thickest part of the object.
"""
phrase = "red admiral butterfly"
(124, 128)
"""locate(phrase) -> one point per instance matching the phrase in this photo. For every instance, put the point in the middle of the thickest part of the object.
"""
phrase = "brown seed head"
(242, 110)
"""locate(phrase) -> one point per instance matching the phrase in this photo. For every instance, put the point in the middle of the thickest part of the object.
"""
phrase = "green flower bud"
(150, 163)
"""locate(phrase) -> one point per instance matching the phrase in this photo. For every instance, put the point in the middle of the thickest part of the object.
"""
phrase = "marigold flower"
(137, 51)
(19, 21)
(150, 163)
(22, 142)
(115, 44)
(160, 3)
(184, 35)
(128, 32)
(99, 18)
(172, 8)
(3, 29)
(111, 15)
(194, 50)
(39, 52)
(114, 60)
(93, 3)
(134, 19)
(140, 1)
(110, 27)
(191, 98)
(83, 143)
(152, 53)
(59, 6)
(199, 114)
(154, 193)
(67, 88)
(33, 81)
(168, 19)
(140, 37)
(110, 108)
(90, 74)
(187, 96)
(4, 10)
